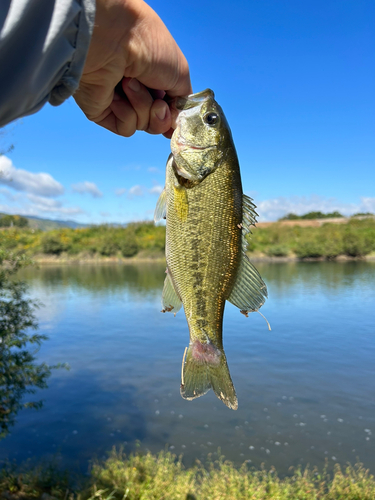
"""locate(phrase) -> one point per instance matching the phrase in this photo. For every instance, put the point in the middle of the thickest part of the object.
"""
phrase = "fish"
(207, 219)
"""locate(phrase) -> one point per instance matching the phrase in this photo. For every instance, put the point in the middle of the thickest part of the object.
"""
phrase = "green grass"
(353, 239)
(162, 476)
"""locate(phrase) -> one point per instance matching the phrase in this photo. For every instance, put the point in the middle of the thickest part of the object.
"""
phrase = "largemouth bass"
(207, 218)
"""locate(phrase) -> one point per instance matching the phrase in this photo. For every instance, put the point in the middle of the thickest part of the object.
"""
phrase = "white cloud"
(157, 189)
(39, 206)
(136, 190)
(273, 209)
(154, 170)
(87, 187)
(41, 184)
(368, 205)
(46, 205)
(120, 191)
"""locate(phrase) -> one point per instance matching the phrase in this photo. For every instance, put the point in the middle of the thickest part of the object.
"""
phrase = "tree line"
(356, 238)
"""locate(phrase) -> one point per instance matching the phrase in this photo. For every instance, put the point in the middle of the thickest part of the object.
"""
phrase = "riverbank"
(160, 258)
(162, 476)
(280, 241)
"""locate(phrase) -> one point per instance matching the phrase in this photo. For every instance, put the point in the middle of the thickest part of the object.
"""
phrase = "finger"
(160, 118)
(122, 120)
(182, 85)
(169, 133)
(140, 99)
(156, 94)
(94, 100)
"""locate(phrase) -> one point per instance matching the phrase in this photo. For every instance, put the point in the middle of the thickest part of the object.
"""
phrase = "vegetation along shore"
(287, 239)
(163, 476)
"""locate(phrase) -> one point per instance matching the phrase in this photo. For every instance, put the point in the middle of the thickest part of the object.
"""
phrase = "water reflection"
(328, 276)
(20, 373)
(145, 277)
(306, 389)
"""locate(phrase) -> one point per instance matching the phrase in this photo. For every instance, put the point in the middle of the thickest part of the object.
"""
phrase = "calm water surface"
(306, 389)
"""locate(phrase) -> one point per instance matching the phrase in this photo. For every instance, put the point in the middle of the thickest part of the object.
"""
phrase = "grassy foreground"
(152, 477)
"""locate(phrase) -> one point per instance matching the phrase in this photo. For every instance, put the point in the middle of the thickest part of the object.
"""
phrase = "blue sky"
(296, 80)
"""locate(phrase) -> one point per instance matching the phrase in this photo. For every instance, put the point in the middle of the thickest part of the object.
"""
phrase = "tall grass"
(162, 476)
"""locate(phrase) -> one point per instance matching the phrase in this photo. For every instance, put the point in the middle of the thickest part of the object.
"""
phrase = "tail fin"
(205, 368)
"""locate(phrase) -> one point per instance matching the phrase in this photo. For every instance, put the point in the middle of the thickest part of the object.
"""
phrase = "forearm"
(43, 47)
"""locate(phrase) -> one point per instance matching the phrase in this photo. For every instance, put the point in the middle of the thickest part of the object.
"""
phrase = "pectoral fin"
(249, 292)
(161, 207)
(171, 302)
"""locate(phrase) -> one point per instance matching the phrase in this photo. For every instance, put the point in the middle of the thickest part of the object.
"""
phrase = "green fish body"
(207, 217)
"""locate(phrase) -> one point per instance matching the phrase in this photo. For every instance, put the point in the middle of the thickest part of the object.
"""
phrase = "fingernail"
(134, 85)
(160, 113)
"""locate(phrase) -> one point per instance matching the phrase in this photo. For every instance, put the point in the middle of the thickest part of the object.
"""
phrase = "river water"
(306, 389)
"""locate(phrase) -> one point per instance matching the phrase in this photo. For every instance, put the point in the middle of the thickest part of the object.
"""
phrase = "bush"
(308, 249)
(13, 220)
(359, 237)
(356, 245)
(108, 248)
(277, 251)
(52, 244)
(129, 247)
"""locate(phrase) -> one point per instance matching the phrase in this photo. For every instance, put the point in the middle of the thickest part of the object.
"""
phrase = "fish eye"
(211, 118)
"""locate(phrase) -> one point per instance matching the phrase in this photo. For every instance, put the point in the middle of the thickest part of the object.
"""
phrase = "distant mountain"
(48, 224)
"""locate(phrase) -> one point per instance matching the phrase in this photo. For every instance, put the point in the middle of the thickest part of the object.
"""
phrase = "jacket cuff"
(79, 36)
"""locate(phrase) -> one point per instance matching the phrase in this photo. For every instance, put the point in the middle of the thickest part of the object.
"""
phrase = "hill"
(48, 224)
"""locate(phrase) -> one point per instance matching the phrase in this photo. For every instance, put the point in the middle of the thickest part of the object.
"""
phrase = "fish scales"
(203, 252)
(207, 218)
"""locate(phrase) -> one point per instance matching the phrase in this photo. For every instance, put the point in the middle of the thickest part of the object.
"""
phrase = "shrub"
(108, 247)
(356, 245)
(52, 244)
(13, 220)
(129, 247)
(308, 249)
(277, 251)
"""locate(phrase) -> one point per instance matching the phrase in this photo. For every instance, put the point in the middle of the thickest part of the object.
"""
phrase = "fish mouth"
(191, 101)
(181, 146)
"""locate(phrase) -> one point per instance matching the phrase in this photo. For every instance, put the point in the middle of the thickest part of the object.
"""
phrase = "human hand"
(131, 52)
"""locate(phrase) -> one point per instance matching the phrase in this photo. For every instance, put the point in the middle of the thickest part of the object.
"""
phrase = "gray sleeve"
(43, 47)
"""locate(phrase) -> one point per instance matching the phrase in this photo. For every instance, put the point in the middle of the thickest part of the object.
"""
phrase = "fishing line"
(269, 326)
(182, 367)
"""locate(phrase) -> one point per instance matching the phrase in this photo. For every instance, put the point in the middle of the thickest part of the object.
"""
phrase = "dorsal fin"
(249, 215)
